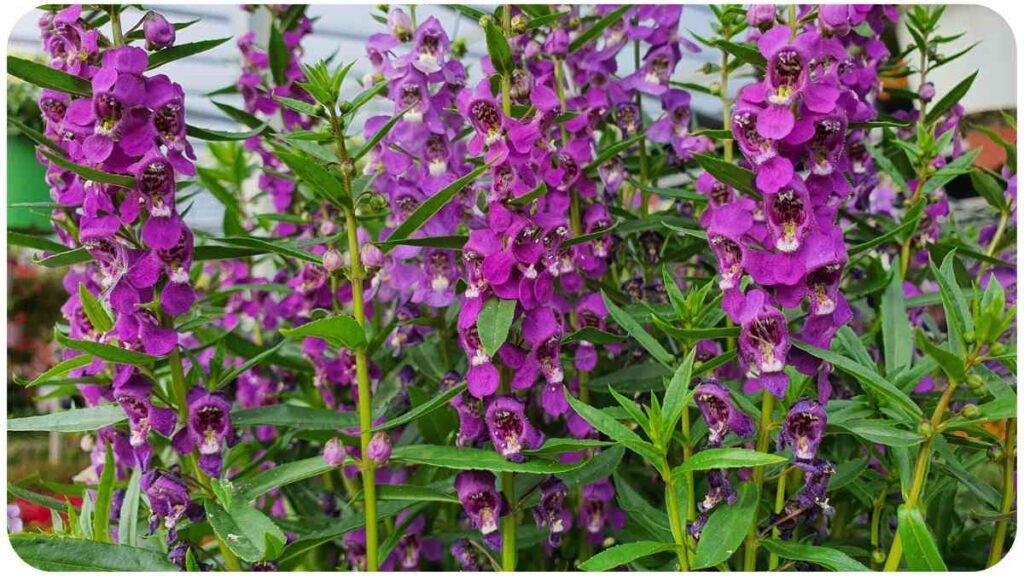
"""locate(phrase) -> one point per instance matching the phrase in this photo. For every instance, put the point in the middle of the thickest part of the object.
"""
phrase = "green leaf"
(295, 417)
(378, 136)
(424, 409)
(609, 152)
(179, 51)
(676, 395)
(498, 49)
(104, 498)
(594, 31)
(279, 56)
(562, 445)
(623, 553)
(474, 459)
(881, 432)
(592, 335)
(75, 420)
(432, 206)
(60, 369)
(919, 549)
(822, 555)
(254, 361)
(726, 528)
(867, 377)
(947, 173)
(591, 236)
(898, 342)
(653, 521)
(613, 429)
(988, 188)
(729, 174)
(281, 475)
(211, 135)
(493, 323)
(456, 242)
(410, 493)
(45, 77)
(128, 523)
(993, 410)
(65, 258)
(249, 533)
(953, 365)
(745, 52)
(107, 352)
(338, 529)
(324, 183)
(91, 174)
(958, 315)
(634, 329)
(339, 330)
(74, 555)
(45, 501)
(265, 245)
(727, 458)
(94, 311)
(950, 99)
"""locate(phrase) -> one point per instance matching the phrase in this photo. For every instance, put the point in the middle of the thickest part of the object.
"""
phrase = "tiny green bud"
(518, 24)
(486, 20)
(996, 453)
(378, 203)
(878, 556)
(345, 107)
(926, 429)
(459, 47)
(707, 68)
(970, 411)
(348, 168)
(970, 337)
(997, 348)
(715, 88)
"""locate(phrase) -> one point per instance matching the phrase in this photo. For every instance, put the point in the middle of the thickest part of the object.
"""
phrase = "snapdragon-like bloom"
(803, 428)
(510, 429)
(208, 429)
(597, 512)
(552, 512)
(168, 501)
(763, 343)
(720, 414)
(159, 33)
(482, 502)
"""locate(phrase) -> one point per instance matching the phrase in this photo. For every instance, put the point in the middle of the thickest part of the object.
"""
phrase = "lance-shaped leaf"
(431, 206)
(920, 551)
(75, 420)
(211, 135)
(713, 458)
(424, 409)
(295, 417)
(729, 174)
(55, 553)
(950, 99)
(107, 352)
(637, 332)
(339, 330)
(179, 51)
(623, 554)
(475, 459)
(677, 394)
(726, 528)
(94, 311)
(493, 323)
(249, 533)
(45, 77)
(498, 49)
(91, 174)
(597, 28)
(830, 558)
(612, 428)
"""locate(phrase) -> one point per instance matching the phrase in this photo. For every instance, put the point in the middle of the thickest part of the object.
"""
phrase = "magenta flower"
(720, 415)
(510, 429)
(552, 511)
(482, 503)
(803, 428)
(159, 33)
(208, 429)
(763, 343)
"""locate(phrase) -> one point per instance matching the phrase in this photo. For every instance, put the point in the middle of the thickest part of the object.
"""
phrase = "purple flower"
(803, 428)
(379, 449)
(510, 429)
(159, 33)
(208, 428)
(133, 393)
(552, 511)
(481, 502)
(471, 422)
(720, 415)
(465, 555)
(596, 511)
(763, 343)
(789, 215)
(168, 501)
(719, 490)
(334, 452)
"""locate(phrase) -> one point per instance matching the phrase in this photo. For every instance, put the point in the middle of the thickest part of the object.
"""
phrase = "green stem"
(675, 517)
(752, 542)
(993, 245)
(691, 492)
(356, 273)
(115, 26)
(1009, 447)
(644, 181)
(180, 390)
(780, 502)
(920, 474)
(508, 524)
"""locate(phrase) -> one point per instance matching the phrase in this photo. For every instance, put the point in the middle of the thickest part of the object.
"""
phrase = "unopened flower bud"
(332, 260)
(459, 47)
(379, 449)
(926, 92)
(485, 20)
(371, 256)
(334, 452)
(970, 411)
(715, 88)
(878, 556)
(159, 33)
(348, 167)
(996, 453)
(345, 107)
(926, 429)
(518, 24)
(400, 24)
(970, 337)
(977, 385)
(997, 348)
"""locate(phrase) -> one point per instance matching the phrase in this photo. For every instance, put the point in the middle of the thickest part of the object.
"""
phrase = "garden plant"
(527, 311)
